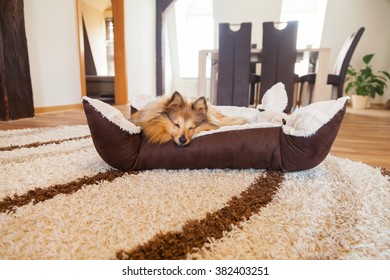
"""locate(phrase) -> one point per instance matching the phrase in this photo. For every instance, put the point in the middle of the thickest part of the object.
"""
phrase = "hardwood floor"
(70, 117)
(364, 134)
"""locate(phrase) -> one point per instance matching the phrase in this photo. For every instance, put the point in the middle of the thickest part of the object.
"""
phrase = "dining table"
(319, 63)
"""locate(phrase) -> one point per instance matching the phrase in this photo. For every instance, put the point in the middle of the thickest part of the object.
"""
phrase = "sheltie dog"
(174, 118)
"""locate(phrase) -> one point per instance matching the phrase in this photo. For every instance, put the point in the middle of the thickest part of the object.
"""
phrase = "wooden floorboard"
(70, 117)
(364, 134)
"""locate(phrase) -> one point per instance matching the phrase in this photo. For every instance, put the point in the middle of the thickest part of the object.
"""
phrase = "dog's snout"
(182, 139)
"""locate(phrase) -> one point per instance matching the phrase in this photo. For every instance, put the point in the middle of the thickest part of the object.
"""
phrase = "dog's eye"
(177, 125)
(191, 128)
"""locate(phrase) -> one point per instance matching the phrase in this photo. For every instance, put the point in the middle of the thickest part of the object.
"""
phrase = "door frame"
(120, 79)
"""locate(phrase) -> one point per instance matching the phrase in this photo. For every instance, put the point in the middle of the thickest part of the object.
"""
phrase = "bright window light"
(310, 14)
(195, 31)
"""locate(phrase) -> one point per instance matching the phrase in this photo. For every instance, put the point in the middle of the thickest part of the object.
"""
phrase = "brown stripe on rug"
(195, 233)
(32, 156)
(9, 204)
(24, 131)
(37, 144)
(385, 172)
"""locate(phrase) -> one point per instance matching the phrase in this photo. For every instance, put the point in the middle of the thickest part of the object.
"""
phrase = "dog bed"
(301, 142)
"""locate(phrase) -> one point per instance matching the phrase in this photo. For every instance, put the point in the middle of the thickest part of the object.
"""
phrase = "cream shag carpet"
(59, 200)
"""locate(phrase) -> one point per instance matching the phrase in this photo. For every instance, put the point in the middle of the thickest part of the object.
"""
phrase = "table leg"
(202, 82)
(321, 90)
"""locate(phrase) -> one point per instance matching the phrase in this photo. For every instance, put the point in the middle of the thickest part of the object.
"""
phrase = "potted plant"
(364, 83)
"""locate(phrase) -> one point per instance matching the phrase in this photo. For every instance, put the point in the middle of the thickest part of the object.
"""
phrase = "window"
(195, 31)
(310, 14)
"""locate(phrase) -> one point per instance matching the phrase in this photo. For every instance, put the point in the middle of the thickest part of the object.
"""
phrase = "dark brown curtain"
(16, 97)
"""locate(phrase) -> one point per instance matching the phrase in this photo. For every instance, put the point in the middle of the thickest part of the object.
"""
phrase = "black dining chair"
(254, 81)
(234, 65)
(338, 75)
(278, 57)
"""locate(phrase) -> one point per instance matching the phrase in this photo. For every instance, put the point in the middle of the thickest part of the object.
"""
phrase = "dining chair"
(234, 65)
(254, 80)
(338, 75)
(278, 57)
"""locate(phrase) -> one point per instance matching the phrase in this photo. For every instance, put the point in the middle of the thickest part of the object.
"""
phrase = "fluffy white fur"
(275, 99)
(307, 120)
(303, 122)
(113, 115)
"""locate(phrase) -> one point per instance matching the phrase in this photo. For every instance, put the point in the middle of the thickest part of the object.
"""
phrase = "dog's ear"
(176, 102)
(200, 105)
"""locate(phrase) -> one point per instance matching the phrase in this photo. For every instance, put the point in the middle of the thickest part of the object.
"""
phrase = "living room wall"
(51, 29)
(344, 17)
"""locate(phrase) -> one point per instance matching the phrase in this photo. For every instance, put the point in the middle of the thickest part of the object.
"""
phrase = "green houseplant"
(364, 83)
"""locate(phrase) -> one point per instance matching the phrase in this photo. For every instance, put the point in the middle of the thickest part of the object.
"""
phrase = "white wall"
(51, 28)
(140, 46)
(171, 53)
(255, 11)
(345, 17)
(173, 81)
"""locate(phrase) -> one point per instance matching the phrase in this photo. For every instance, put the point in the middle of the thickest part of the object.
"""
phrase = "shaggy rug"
(59, 200)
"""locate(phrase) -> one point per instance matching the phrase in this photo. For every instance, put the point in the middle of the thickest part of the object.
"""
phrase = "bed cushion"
(301, 143)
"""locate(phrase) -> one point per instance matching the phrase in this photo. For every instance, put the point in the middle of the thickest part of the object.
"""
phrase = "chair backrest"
(278, 57)
(345, 55)
(234, 65)
(344, 58)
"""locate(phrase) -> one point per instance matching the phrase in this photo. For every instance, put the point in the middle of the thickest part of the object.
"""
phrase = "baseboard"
(51, 109)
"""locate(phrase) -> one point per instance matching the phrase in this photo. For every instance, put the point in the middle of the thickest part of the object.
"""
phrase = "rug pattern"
(59, 200)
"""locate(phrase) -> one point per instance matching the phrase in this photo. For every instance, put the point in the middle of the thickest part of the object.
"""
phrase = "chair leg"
(299, 96)
(306, 94)
(334, 92)
(311, 89)
(257, 95)
(296, 95)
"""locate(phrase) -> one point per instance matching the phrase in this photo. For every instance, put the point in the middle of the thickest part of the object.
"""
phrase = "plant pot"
(359, 101)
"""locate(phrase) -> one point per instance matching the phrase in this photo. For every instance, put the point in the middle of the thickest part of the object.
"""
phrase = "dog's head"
(186, 119)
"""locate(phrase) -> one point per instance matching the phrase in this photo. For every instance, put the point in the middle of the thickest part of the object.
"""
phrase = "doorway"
(110, 86)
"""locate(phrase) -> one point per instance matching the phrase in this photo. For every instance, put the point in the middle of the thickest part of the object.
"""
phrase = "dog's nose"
(182, 139)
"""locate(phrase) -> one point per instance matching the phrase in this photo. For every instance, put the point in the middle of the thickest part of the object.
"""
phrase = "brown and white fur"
(174, 118)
